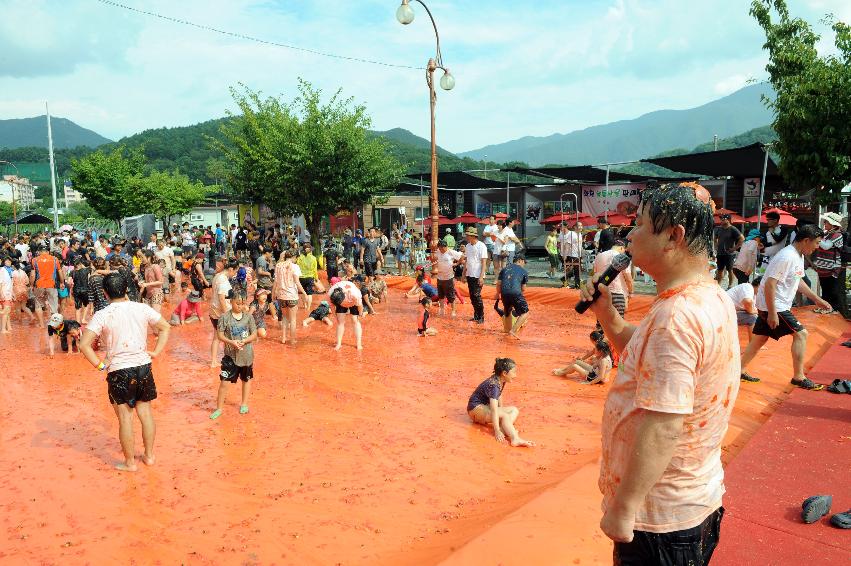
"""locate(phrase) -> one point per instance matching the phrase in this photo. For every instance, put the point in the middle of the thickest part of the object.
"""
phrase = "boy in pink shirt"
(669, 406)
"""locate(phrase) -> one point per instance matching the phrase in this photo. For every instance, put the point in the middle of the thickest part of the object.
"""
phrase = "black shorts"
(786, 324)
(307, 284)
(215, 323)
(131, 385)
(369, 268)
(516, 304)
(237, 373)
(355, 310)
(724, 261)
(315, 316)
(81, 299)
(446, 290)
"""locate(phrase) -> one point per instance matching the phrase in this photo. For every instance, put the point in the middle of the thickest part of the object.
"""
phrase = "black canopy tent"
(31, 218)
(743, 162)
(458, 181)
(583, 174)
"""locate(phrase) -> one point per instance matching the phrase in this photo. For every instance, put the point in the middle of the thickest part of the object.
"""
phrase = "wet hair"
(237, 294)
(603, 347)
(337, 297)
(772, 216)
(115, 285)
(420, 278)
(100, 263)
(808, 232)
(756, 281)
(502, 365)
(677, 204)
(596, 335)
(232, 264)
(519, 257)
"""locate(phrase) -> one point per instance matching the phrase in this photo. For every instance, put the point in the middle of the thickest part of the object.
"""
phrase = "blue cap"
(753, 235)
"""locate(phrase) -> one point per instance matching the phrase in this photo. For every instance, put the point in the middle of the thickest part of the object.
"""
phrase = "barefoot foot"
(125, 467)
(148, 460)
(520, 442)
(338, 346)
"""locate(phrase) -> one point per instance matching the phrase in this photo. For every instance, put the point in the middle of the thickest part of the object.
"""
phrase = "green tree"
(165, 194)
(216, 169)
(105, 180)
(812, 108)
(6, 212)
(306, 157)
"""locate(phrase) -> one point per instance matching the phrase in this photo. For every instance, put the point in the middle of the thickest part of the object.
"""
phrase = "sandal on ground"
(815, 507)
(846, 344)
(840, 386)
(842, 520)
(824, 311)
(749, 378)
(808, 384)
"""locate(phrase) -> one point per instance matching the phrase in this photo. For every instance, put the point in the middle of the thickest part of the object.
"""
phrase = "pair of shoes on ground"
(825, 311)
(840, 386)
(805, 383)
(815, 507)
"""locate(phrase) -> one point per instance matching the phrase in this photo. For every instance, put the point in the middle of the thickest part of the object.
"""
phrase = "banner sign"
(534, 210)
(623, 199)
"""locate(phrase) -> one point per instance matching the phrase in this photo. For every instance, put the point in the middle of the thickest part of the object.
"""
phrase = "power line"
(255, 39)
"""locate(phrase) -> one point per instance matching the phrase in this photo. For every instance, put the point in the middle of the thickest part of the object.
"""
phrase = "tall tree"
(306, 157)
(812, 108)
(105, 180)
(165, 194)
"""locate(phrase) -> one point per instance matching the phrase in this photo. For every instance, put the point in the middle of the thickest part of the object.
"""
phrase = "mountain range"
(32, 132)
(645, 136)
(664, 132)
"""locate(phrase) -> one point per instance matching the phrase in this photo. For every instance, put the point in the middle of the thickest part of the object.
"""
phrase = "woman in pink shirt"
(286, 291)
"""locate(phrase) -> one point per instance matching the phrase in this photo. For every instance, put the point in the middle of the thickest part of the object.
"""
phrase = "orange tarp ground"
(345, 457)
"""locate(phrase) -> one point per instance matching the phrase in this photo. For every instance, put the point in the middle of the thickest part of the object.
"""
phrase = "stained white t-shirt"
(488, 234)
(787, 268)
(740, 293)
(475, 254)
(446, 263)
(602, 263)
(508, 244)
(123, 330)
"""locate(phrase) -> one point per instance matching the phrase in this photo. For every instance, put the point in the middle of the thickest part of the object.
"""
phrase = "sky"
(522, 68)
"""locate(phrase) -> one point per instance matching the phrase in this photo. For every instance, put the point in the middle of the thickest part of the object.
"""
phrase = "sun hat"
(56, 320)
(833, 218)
(471, 231)
(194, 297)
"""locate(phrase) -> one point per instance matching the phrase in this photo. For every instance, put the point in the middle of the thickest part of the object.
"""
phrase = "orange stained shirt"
(682, 359)
(46, 266)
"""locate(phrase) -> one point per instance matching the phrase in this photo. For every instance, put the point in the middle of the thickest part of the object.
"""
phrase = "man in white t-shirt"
(744, 299)
(489, 236)
(447, 259)
(165, 253)
(570, 250)
(782, 279)
(122, 328)
(476, 254)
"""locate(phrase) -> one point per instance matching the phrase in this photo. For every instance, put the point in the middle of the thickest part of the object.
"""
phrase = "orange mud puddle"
(345, 458)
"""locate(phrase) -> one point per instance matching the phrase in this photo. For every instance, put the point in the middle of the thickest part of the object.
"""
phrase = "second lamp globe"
(404, 13)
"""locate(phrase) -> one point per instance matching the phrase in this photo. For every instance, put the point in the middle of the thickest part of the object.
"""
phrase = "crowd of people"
(671, 371)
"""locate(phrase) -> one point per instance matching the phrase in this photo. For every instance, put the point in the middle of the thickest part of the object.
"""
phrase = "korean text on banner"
(621, 199)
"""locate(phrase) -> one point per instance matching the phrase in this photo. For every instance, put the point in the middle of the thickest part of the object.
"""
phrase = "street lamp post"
(14, 204)
(405, 15)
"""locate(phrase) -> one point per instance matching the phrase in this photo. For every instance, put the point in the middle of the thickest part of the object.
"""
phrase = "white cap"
(56, 320)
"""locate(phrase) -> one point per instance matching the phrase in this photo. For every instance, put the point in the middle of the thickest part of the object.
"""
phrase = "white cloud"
(522, 67)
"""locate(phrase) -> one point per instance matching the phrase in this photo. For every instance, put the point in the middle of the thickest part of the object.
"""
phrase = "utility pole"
(52, 171)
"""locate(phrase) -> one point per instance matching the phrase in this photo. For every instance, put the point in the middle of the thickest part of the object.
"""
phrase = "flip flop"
(243, 409)
(842, 520)
(840, 386)
(847, 344)
(808, 384)
(215, 414)
(816, 507)
(749, 378)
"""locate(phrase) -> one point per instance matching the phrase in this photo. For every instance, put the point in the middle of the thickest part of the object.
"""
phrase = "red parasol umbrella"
(566, 217)
(786, 219)
(466, 218)
(617, 219)
(441, 221)
(497, 216)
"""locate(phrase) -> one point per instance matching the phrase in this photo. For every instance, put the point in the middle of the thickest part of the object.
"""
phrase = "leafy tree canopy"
(306, 157)
(165, 194)
(105, 180)
(812, 107)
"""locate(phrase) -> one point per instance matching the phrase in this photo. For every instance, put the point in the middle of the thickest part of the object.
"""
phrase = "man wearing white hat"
(827, 260)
